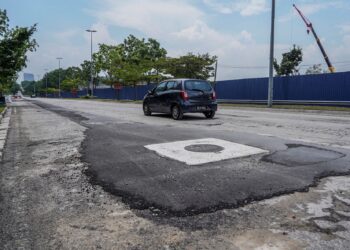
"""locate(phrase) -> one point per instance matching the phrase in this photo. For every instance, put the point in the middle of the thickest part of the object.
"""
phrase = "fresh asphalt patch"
(119, 161)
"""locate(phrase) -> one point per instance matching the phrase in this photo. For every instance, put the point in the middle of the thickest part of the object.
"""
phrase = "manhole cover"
(204, 148)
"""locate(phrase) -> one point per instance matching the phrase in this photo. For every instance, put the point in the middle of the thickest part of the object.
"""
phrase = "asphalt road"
(46, 200)
(115, 151)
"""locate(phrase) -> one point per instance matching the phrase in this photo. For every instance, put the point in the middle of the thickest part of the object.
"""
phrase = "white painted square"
(176, 150)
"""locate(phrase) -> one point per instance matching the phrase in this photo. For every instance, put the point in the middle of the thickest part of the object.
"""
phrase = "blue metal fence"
(126, 93)
(322, 87)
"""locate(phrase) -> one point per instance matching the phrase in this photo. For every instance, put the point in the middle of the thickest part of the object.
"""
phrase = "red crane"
(311, 28)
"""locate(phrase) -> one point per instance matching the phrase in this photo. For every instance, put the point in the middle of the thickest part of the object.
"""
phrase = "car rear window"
(197, 85)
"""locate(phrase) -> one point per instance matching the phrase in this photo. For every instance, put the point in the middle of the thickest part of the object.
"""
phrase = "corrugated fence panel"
(68, 95)
(322, 87)
(126, 93)
(245, 89)
(108, 93)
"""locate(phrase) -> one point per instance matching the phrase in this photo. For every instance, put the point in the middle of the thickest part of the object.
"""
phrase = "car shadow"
(186, 117)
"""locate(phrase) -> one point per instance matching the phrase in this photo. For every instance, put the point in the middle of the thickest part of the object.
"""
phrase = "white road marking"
(176, 151)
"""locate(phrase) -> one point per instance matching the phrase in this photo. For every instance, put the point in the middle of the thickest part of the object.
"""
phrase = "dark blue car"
(179, 96)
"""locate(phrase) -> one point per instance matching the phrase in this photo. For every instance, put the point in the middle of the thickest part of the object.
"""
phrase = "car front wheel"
(146, 110)
(176, 113)
(209, 114)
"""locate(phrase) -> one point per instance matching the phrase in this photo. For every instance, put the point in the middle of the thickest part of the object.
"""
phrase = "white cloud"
(101, 36)
(244, 7)
(345, 28)
(181, 27)
(231, 50)
(153, 17)
(310, 7)
(59, 44)
(64, 44)
(65, 35)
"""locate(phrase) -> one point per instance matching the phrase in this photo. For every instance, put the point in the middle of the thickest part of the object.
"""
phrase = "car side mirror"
(150, 92)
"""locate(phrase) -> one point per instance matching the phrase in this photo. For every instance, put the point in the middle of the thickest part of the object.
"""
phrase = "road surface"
(82, 174)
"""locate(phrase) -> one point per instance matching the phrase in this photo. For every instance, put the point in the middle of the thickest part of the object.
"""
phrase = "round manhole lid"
(204, 148)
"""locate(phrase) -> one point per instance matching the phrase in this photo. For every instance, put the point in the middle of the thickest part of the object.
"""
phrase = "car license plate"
(201, 108)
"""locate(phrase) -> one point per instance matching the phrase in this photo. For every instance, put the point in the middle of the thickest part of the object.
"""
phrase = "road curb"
(4, 125)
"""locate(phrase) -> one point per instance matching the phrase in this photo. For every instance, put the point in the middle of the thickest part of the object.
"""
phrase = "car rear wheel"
(146, 110)
(209, 114)
(176, 113)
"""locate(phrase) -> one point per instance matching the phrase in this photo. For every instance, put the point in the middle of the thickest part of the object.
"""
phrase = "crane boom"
(311, 28)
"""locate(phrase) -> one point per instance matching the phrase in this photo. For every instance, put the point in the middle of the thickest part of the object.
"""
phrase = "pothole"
(298, 155)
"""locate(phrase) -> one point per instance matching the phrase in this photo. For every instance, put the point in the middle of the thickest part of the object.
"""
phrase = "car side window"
(178, 86)
(161, 87)
(171, 85)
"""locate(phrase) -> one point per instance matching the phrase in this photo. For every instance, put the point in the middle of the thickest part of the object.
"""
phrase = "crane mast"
(311, 28)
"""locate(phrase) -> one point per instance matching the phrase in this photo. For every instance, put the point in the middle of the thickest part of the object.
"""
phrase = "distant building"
(28, 77)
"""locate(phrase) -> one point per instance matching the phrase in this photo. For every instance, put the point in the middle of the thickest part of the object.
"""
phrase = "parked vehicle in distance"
(179, 96)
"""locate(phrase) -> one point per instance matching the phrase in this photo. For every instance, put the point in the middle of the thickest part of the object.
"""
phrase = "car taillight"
(184, 95)
(213, 96)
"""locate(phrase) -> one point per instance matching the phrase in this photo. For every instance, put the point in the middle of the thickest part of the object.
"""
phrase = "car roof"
(182, 79)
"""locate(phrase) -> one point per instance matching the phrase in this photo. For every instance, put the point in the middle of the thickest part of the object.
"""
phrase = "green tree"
(70, 84)
(71, 78)
(14, 45)
(74, 78)
(86, 74)
(52, 78)
(290, 62)
(191, 66)
(108, 59)
(15, 87)
(315, 69)
(28, 87)
(143, 57)
(130, 62)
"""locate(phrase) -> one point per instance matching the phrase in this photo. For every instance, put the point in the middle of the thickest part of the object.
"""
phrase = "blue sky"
(236, 31)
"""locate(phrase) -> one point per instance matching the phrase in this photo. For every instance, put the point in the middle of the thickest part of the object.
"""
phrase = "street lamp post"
(272, 45)
(91, 69)
(215, 72)
(46, 82)
(59, 76)
(38, 76)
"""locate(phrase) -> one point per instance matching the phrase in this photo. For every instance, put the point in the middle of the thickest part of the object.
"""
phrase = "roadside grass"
(231, 105)
(2, 107)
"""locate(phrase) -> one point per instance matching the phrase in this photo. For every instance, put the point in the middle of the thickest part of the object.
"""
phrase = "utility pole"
(91, 69)
(38, 82)
(59, 76)
(215, 73)
(46, 82)
(272, 46)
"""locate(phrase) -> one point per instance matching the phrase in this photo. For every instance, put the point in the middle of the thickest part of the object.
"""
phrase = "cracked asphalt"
(76, 174)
